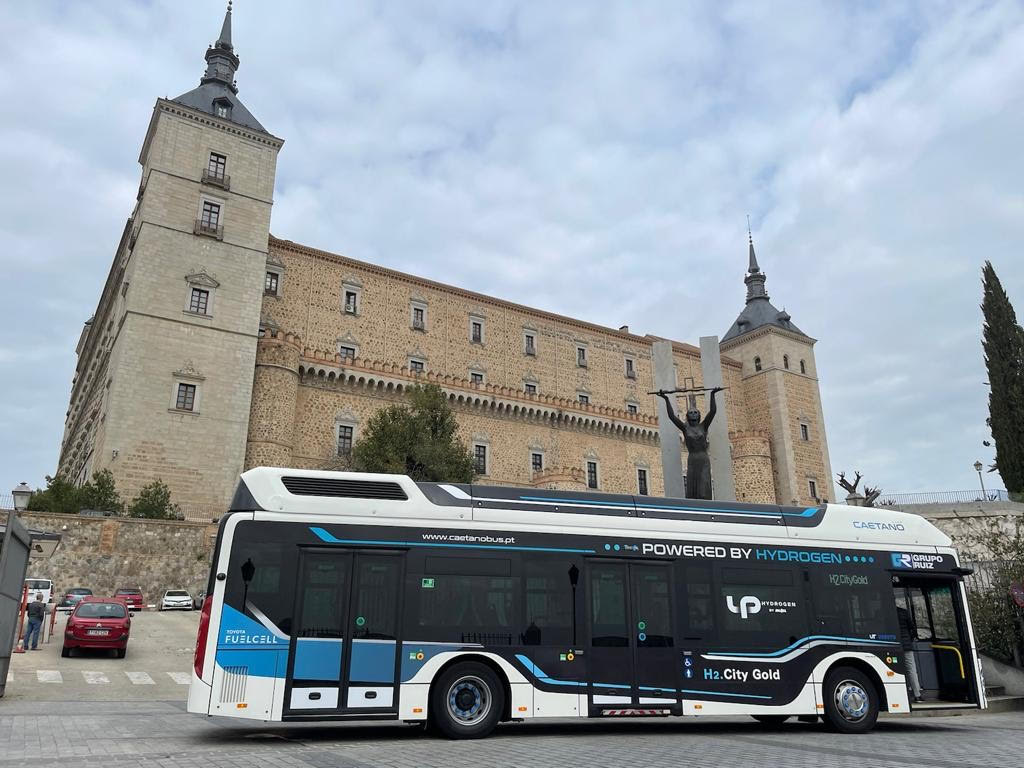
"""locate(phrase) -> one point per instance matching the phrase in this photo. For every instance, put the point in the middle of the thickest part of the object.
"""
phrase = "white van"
(35, 586)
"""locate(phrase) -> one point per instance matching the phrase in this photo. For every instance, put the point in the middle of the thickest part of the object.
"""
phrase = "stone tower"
(781, 392)
(164, 377)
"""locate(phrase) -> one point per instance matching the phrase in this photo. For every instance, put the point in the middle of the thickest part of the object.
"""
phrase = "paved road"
(120, 719)
(156, 666)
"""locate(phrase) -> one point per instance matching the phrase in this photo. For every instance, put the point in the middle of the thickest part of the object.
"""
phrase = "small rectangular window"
(812, 488)
(199, 301)
(416, 366)
(476, 378)
(631, 408)
(591, 474)
(581, 357)
(218, 163)
(476, 334)
(641, 481)
(211, 215)
(531, 389)
(347, 353)
(186, 400)
(418, 322)
(584, 399)
(530, 347)
(536, 461)
(805, 433)
(630, 369)
(344, 440)
(480, 459)
(351, 302)
(270, 284)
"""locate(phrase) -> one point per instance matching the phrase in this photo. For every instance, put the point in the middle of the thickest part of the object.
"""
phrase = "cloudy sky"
(596, 159)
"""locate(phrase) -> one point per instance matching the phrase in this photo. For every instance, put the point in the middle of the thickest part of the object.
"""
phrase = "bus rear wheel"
(851, 701)
(466, 701)
(771, 719)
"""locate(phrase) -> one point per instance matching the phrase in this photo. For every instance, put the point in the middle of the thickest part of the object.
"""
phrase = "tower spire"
(221, 61)
(754, 279)
(753, 268)
(224, 41)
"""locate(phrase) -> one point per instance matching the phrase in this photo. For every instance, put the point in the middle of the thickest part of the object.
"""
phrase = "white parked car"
(176, 599)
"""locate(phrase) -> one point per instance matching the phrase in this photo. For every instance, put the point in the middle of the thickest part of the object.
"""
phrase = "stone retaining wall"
(104, 554)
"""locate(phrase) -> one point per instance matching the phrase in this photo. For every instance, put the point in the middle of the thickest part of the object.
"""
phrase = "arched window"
(785, 362)
(757, 363)
(803, 367)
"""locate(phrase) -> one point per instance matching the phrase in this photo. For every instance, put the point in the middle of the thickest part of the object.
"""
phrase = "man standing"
(908, 633)
(36, 615)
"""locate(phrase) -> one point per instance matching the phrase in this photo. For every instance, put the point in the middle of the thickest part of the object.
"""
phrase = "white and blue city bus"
(338, 596)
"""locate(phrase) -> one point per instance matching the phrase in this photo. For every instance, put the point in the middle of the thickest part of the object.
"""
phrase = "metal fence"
(942, 497)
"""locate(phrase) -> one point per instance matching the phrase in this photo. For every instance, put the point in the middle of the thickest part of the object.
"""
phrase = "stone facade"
(322, 365)
(782, 400)
(148, 337)
(293, 347)
(105, 554)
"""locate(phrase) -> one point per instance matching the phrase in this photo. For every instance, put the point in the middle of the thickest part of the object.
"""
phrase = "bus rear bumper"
(198, 696)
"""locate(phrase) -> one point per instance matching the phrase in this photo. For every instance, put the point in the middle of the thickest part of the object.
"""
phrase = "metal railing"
(208, 228)
(222, 180)
(941, 497)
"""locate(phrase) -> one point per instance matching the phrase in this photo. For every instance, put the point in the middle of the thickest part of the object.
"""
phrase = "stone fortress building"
(216, 347)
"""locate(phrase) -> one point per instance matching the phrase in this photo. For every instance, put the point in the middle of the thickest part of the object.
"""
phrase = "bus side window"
(271, 586)
(550, 584)
(699, 614)
(853, 602)
(465, 600)
(761, 607)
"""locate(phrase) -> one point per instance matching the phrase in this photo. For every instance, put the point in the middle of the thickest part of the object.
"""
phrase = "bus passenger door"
(371, 671)
(318, 643)
(343, 653)
(631, 654)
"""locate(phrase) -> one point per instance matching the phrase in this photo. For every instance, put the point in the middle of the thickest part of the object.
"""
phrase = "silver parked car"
(176, 599)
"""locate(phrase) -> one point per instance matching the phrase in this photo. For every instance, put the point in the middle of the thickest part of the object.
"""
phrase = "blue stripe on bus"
(539, 673)
(330, 538)
(542, 677)
(723, 693)
(801, 641)
(808, 512)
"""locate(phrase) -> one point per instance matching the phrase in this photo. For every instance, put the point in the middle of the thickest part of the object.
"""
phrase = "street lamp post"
(978, 468)
(21, 496)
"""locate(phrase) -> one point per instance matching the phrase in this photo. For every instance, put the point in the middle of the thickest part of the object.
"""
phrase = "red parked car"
(98, 622)
(132, 596)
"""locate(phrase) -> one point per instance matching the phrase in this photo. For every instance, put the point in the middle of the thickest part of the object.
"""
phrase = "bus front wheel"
(466, 701)
(851, 701)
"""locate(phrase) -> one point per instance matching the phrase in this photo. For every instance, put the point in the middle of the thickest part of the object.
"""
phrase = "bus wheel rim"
(852, 701)
(469, 700)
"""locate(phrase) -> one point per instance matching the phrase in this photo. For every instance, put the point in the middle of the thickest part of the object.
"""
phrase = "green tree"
(101, 493)
(418, 440)
(154, 503)
(995, 547)
(1003, 341)
(59, 496)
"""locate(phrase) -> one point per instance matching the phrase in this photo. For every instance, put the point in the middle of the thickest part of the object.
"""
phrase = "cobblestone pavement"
(157, 733)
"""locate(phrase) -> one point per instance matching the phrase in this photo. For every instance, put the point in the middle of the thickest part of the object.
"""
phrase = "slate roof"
(759, 310)
(202, 98)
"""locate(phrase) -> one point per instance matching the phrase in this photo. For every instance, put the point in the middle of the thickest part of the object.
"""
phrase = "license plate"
(95, 632)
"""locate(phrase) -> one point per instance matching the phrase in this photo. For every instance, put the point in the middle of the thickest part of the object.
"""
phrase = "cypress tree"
(1003, 342)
